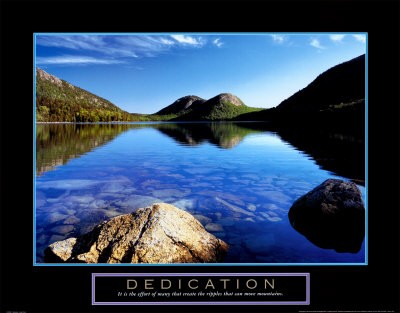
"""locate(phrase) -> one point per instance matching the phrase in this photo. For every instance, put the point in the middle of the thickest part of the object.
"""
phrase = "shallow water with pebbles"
(241, 194)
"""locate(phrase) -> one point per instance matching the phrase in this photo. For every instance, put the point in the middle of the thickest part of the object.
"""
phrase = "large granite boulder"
(332, 216)
(160, 233)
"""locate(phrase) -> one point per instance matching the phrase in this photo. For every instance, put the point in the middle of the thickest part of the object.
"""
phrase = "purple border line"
(305, 302)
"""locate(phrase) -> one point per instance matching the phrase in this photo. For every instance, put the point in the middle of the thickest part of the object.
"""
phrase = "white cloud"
(110, 45)
(279, 38)
(337, 37)
(103, 44)
(188, 40)
(74, 59)
(360, 38)
(113, 49)
(167, 42)
(74, 42)
(217, 42)
(120, 46)
(143, 45)
(316, 44)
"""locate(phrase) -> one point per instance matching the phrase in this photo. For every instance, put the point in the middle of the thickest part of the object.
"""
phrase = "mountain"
(224, 106)
(338, 93)
(181, 105)
(341, 84)
(59, 101)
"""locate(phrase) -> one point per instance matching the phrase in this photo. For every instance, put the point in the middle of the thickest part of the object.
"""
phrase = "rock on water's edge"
(331, 216)
(160, 233)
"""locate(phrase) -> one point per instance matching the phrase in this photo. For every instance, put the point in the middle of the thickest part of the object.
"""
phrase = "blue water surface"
(240, 187)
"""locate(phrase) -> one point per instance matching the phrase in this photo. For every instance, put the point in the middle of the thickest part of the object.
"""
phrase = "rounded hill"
(180, 105)
(224, 106)
(226, 98)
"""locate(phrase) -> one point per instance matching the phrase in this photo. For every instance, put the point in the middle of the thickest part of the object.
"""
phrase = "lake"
(238, 179)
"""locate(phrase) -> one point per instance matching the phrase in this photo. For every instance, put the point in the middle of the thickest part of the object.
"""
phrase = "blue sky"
(142, 73)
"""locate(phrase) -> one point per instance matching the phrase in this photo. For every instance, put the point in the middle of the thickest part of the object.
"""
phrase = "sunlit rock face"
(46, 76)
(331, 216)
(227, 98)
(181, 105)
(160, 233)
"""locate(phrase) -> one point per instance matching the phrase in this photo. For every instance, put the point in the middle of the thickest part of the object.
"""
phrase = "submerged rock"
(204, 220)
(71, 220)
(55, 217)
(214, 227)
(160, 233)
(234, 208)
(332, 216)
(62, 229)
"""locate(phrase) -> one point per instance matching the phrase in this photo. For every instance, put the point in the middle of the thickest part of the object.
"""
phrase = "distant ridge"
(343, 83)
(338, 92)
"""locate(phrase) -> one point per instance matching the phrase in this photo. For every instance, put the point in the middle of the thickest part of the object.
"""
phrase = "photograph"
(235, 148)
(223, 156)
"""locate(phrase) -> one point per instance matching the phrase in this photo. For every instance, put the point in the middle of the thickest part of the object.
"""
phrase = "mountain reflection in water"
(340, 151)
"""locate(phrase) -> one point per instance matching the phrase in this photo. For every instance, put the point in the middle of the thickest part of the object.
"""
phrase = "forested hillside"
(59, 101)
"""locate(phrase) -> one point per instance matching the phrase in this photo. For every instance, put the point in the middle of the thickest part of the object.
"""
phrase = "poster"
(257, 282)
